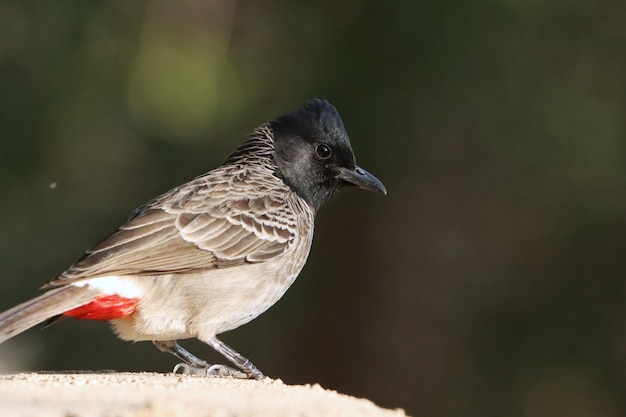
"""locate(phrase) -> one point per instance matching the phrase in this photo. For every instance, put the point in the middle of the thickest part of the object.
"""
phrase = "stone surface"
(155, 395)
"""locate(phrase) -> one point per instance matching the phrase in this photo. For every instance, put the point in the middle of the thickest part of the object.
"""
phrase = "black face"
(313, 153)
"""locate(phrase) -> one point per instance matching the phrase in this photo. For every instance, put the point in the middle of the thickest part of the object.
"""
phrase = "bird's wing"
(192, 229)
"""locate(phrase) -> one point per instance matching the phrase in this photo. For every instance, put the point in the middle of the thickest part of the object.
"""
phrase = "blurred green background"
(489, 282)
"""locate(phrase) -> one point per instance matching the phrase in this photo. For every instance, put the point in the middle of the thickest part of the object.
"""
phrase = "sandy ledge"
(155, 395)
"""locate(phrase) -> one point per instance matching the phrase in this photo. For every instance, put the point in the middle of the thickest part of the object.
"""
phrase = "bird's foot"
(251, 371)
(218, 371)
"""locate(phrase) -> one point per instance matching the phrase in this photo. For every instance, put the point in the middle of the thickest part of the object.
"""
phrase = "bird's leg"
(170, 346)
(195, 366)
(229, 353)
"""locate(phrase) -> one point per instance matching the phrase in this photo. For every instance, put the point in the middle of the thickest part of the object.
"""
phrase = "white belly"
(203, 305)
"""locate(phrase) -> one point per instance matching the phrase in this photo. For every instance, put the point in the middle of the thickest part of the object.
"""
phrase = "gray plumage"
(34, 311)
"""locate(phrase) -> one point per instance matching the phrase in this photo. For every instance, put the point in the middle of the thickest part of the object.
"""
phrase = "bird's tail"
(50, 304)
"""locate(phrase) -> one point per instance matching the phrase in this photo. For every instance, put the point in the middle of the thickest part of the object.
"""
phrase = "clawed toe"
(218, 371)
(225, 372)
(183, 369)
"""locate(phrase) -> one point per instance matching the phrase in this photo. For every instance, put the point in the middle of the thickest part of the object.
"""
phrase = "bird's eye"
(323, 151)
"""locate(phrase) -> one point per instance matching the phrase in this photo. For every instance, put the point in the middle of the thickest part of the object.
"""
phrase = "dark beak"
(362, 179)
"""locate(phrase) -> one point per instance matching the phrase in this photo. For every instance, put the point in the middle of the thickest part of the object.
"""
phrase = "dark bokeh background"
(490, 281)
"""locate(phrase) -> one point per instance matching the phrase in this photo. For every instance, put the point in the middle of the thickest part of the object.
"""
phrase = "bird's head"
(313, 154)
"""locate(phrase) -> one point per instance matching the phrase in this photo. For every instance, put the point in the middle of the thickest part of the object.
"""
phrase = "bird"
(214, 253)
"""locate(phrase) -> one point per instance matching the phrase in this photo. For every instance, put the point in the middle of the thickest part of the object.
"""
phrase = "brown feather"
(220, 219)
